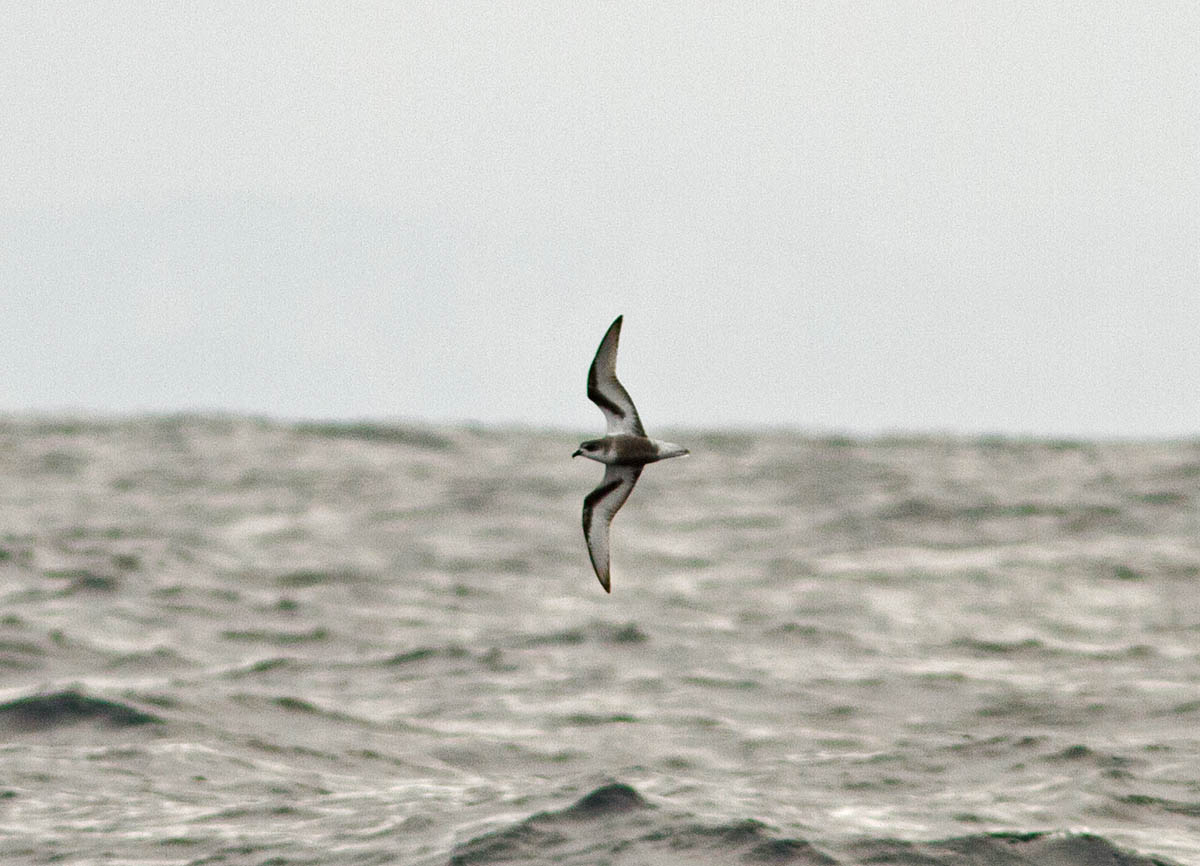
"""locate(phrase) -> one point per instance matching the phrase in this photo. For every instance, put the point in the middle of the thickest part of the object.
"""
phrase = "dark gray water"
(231, 641)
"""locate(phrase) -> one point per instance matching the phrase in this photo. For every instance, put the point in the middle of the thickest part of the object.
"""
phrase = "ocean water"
(237, 641)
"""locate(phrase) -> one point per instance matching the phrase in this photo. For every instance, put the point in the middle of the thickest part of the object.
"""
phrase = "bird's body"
(624, 450)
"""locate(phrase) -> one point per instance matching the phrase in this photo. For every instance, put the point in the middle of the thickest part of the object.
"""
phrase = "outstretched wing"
(599, 507)
(606, 392)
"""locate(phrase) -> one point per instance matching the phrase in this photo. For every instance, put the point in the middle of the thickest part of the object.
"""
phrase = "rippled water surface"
(238, 641)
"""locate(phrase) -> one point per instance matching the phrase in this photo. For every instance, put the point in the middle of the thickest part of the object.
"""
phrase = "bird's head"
(592, 448)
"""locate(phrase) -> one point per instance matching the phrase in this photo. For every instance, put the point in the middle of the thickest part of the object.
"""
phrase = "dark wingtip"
(606, 583)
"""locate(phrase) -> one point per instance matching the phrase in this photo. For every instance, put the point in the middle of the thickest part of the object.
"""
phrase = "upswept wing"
(599, 507)
(605, 391)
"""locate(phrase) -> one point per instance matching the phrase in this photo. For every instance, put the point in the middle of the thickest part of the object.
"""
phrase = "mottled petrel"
(624, 450)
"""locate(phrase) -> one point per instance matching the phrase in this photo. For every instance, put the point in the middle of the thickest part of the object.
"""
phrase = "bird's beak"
(578, 451)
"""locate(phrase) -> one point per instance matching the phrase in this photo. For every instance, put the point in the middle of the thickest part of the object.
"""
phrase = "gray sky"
(966, 217)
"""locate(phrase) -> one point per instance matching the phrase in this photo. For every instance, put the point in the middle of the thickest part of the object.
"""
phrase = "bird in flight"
(624, 450)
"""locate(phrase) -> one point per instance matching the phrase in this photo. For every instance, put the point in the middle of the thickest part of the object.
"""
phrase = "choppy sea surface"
(240, 641)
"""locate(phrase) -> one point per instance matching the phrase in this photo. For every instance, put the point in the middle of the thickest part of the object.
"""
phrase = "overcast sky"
(865, 217)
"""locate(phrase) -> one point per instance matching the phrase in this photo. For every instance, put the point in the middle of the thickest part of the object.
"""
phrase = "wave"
(84, 580)
(369, 431)
(593, 632)
(59, 709)
(616, 825)
(1037, 848)
(276, 637)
